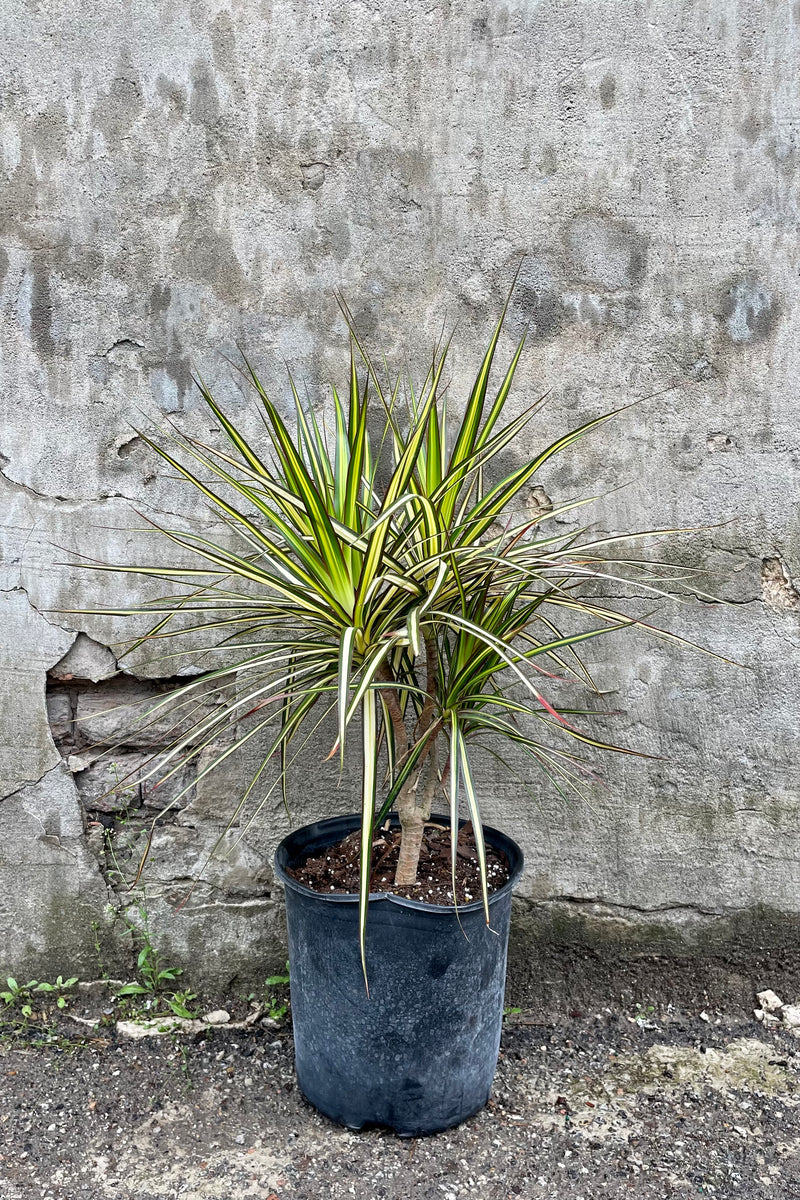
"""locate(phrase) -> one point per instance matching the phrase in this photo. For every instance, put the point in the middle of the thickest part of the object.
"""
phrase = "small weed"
(59, 987)
(22, 996)
(154, 980)
(26, 1014)
(180, 1003)
(510, 1012)
(19, 996)
(276, 999)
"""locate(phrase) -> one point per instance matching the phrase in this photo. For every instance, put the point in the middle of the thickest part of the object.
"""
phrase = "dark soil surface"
(610, 1103)
(337, 869)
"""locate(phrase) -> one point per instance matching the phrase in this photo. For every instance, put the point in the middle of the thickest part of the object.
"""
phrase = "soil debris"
(772, 1011)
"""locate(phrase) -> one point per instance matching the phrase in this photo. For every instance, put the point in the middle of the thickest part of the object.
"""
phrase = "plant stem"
(412, 824)
(432, 780)
(395, 712)
(414, 814)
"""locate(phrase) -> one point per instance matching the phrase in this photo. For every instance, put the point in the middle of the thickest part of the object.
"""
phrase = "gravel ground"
(606, 1104)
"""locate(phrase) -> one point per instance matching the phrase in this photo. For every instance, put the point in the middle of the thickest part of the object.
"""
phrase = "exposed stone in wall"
(85, 659)
(777, 587)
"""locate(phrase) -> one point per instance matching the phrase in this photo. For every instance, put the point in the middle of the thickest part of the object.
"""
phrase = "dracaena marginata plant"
(408, 598)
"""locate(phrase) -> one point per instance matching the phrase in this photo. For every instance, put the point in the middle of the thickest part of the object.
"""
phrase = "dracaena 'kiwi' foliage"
(407, 597)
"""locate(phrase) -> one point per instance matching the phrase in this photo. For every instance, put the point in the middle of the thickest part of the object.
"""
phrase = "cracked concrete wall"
(182, 177)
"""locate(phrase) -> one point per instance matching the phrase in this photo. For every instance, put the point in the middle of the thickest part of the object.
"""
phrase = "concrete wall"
(179, 177)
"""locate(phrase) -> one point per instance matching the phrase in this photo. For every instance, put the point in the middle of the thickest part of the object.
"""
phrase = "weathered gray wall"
(181, 176)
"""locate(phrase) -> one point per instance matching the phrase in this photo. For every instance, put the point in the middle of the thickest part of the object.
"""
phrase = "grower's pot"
(419, 1053)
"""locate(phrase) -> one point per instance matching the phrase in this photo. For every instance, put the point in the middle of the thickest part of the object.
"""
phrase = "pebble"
(219, 1016)
(791, 1015)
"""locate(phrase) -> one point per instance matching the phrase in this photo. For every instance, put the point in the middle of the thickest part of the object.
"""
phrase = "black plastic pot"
(419, 1054)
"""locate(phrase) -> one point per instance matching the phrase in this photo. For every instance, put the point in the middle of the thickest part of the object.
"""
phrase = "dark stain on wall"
(160, 297)
(178, 368)
(751, 128)
(608, 91)
(50, 129)
(116, 111)
(174, 94)
(42, 314)
(605, 252)
(548, 163)
(206, 254)
(204, 103)
(223, 41)
(540, 309)
(749, 311)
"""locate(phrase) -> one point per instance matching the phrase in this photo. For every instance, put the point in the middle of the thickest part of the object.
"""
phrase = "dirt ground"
(598, 1104)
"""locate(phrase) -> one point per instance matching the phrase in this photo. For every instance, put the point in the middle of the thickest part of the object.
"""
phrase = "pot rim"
(340, 826)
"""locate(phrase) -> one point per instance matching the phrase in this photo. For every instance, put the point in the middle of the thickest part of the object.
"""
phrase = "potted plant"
(394, 581)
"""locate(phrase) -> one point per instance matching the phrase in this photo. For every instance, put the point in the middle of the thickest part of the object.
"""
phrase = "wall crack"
(101, 498)
(639, 910)
(18, 587)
